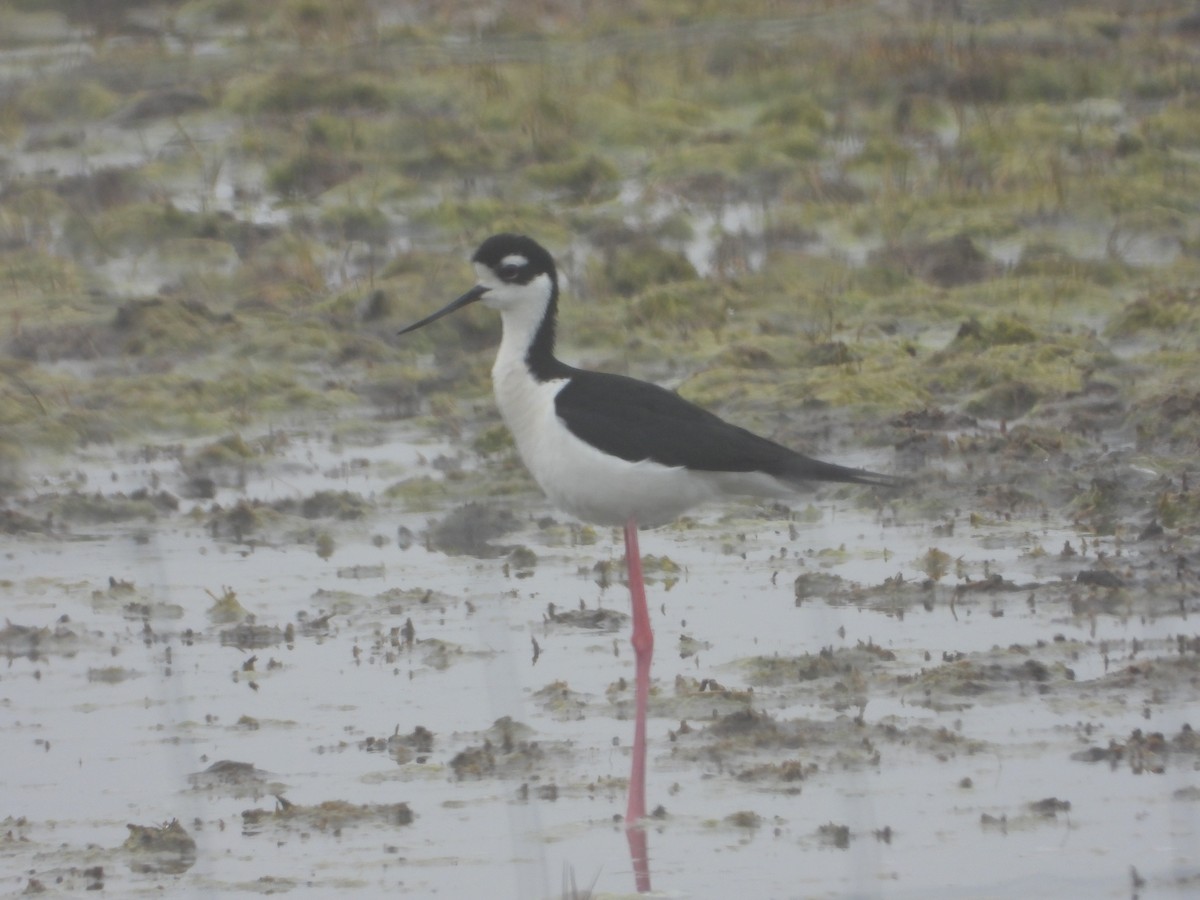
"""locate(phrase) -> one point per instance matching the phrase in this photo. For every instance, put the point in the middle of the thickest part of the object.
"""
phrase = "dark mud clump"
(508, 750)
(230, 778)
(35, 642)
(947, 263)
(403, 748)
(470, 529)
(167, 849)
(591, 618)
(330, 817)
(1144, 753)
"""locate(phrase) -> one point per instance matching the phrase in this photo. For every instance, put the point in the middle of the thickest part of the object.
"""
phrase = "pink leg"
(643, 649)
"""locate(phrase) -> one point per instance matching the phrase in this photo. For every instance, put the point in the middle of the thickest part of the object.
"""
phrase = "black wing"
(635, 420)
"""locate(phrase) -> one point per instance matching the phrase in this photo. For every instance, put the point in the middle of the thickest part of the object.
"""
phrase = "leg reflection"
(639, 855)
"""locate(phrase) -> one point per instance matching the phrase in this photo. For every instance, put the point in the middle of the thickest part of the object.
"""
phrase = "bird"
(613, 450)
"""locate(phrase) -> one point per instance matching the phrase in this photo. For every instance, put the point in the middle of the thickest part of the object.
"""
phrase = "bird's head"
(514, 274)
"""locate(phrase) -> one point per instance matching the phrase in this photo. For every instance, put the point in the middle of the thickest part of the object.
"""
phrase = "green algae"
(1179, 508)
(421, 494)
(1170, 309)
(309, 173)
(631, 270)
(56, 99)
(591, 179)
(96, 508)
(226, 608)
(289, 91)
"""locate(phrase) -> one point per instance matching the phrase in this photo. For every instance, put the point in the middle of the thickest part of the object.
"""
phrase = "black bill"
(465, 300)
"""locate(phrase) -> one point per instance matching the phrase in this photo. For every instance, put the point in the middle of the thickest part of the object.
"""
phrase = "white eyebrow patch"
(514, 259)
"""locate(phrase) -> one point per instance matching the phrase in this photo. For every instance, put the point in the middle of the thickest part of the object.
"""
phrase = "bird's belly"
(589, 484)
(606, 490)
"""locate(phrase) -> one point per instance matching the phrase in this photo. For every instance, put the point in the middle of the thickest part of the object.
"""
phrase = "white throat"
(522, 308)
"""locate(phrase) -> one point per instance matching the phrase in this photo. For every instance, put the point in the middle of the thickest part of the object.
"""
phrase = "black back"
(635, 420)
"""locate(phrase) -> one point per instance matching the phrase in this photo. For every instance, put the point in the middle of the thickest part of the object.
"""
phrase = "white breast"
(578, 478)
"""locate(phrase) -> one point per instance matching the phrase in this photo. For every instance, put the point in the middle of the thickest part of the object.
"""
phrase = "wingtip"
(878, 479)
(807, 469)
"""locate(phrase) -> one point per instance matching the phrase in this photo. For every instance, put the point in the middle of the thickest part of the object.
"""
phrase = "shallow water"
(104, 728)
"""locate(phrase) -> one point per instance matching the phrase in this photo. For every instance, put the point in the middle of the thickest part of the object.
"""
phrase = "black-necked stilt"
(614, 450)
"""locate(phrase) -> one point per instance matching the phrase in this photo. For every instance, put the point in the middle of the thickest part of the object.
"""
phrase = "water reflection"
(639, 855)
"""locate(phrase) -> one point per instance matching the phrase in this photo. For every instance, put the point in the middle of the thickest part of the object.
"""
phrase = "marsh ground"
(277, 577)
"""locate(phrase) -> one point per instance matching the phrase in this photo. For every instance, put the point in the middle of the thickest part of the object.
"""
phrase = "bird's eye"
(509, 272)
